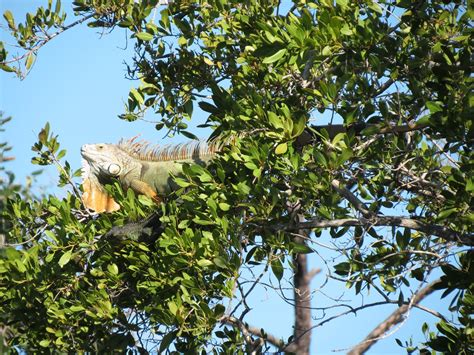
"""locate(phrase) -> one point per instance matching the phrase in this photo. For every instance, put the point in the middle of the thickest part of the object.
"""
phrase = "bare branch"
(395, 318)
(312, 273)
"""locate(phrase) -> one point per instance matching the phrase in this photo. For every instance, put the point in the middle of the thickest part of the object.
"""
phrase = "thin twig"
(254, 284)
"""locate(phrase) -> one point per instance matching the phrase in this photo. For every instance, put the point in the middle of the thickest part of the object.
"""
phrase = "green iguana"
(147, 170)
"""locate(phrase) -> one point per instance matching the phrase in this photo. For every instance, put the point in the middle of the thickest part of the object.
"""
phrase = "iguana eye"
(114, 169)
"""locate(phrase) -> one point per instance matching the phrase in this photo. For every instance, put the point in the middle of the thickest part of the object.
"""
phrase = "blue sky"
(78, 85)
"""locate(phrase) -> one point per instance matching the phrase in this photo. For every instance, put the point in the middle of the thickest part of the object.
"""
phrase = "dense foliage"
(348, 116)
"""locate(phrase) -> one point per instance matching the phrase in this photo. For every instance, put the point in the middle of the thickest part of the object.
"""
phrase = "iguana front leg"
(145, 189)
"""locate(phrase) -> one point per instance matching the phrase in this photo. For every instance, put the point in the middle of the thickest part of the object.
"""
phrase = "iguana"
(147, 170)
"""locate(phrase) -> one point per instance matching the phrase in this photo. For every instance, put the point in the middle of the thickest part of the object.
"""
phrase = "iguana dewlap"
(146, 170)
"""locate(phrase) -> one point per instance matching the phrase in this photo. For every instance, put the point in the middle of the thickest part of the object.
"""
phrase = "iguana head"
(100, 163)
(105, 160)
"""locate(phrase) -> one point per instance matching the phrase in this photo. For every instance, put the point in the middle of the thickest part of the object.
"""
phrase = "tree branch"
(312, 273)
(395, 318)
(412, 303)
(380, 221)
(354, 201)
(247, 330)
(48, 38)
(308, 137)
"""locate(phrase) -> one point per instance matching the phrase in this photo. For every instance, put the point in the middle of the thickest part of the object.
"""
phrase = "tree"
(388, 175)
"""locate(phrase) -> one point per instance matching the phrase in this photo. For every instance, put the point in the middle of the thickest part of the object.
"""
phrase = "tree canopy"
(352, 131)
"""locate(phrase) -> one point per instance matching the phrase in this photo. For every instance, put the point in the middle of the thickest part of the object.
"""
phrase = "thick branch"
(381, 221)
(395, 318)
(302, 299)
(302, 291)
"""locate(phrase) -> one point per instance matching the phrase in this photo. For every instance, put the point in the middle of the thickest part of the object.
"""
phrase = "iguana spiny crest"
(137, 165)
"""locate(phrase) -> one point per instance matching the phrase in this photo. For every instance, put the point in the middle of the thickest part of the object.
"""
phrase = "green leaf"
(146, 201)
(51, 235)
(327, 50)
(342, 3)
(275, 120)
(20, 266)
(166, 341)
(277, 268)
(58, 6)
(143, 247)
(165, 18)
(113, 269)
(204, 262)
(9, 17)
(298, 126)
(424, 120)
(189, 135)
(273, 58)
(251, 165)
(470, 185)
(182, 41)
(30, 58)
(65, 258)
(224, 206)
(136, 95)
(181, 183)
(320, 158)
(345, 30)
(281, 148)
(376, 7)
(77, 308)
(446, 213)
(300, 248)
(144, 36)
(434, 106)
(220, 262)
(7, 68)
(44, 343)
(152, 27)
(206, 106)
(172, 307)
